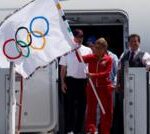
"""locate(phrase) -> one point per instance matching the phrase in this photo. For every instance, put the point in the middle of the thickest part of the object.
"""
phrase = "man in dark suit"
(135, 57)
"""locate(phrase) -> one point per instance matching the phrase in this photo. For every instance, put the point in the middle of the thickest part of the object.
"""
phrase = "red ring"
(9, 57)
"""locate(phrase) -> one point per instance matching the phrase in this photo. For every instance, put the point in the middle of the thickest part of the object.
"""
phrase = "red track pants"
(105, 94)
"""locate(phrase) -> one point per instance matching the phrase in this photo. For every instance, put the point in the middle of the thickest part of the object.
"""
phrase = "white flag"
(34, 36)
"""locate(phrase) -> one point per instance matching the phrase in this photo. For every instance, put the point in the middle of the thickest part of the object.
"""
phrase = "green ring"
(25, 45)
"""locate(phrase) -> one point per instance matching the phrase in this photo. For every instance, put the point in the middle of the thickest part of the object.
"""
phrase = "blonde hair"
(101, 42)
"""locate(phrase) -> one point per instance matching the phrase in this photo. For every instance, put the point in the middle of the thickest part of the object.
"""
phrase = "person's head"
(101, 46)
(134, 41)
(91, 41)
(78, 36)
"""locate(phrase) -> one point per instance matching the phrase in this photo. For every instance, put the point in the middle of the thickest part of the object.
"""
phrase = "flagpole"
(58, 5)
(12, 100)
(92, 85)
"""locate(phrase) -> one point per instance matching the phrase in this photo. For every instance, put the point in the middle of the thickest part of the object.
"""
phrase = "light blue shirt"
(113, 75)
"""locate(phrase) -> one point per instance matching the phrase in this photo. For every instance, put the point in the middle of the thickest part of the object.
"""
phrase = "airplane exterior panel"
(135, 102)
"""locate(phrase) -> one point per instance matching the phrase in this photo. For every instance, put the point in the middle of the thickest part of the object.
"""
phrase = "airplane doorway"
(112, 25)
(114, 36)
(112, 33)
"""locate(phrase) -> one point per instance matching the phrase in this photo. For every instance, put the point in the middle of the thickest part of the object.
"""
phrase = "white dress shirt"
(145, 58)
(75, 68)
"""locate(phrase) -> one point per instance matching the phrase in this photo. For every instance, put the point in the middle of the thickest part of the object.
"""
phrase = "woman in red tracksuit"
(100, 64)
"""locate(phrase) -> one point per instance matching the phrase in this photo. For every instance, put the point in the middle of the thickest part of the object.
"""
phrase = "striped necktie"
(131, 58)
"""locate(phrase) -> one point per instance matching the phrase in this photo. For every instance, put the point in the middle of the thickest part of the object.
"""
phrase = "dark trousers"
(118, 121)
(75, 105)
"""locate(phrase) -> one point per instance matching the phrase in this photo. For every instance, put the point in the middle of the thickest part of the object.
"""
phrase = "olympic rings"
(35, 18)
(44, 41)
(27, 43)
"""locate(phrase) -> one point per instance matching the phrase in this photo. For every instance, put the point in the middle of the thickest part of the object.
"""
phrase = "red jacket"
(100, 69)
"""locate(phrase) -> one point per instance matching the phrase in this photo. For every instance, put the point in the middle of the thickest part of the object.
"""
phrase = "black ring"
(20, 28)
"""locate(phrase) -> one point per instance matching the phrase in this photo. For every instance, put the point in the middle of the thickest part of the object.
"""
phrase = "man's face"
(134, 43)
(78, 40)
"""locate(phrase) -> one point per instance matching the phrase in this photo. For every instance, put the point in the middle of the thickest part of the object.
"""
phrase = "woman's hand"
(89, 75)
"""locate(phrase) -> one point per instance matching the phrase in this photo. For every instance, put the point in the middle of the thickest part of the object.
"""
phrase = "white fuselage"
(138, 12)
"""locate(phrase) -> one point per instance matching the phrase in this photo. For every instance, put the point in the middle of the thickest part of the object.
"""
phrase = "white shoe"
(70, 132)
(92, 133)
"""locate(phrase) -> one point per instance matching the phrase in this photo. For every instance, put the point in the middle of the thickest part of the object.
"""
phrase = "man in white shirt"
(136, 58)
(73, 84)
(134, 55)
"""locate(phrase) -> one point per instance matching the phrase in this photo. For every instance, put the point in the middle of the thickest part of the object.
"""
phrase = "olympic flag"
(34, 36)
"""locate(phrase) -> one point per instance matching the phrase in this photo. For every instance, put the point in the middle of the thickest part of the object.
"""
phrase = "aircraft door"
(136, 101)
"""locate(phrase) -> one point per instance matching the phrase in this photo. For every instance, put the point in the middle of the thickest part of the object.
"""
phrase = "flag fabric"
(35, 35)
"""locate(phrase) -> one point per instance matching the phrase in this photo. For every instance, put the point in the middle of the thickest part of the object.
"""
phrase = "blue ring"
(31, 23)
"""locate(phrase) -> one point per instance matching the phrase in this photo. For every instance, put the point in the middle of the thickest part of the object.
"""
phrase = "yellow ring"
(43, 37)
